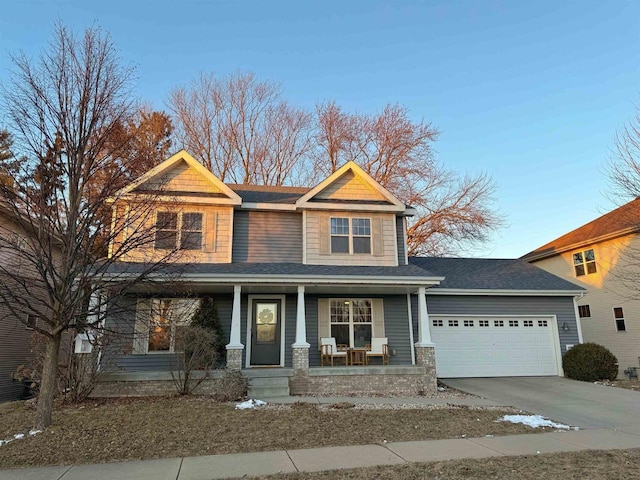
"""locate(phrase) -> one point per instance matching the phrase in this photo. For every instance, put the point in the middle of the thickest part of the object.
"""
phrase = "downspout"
(577, 314)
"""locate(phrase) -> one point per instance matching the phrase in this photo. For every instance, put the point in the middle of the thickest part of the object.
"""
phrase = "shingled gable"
(621, 221)
(333, 192)
(207, 188)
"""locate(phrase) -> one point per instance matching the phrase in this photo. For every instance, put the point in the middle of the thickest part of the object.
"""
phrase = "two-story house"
(602, 257)
(290, 266)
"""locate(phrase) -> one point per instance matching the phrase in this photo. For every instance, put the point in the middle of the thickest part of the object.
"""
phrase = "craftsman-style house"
(307, 278)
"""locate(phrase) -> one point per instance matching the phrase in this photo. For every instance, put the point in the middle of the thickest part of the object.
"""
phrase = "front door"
(265, 332)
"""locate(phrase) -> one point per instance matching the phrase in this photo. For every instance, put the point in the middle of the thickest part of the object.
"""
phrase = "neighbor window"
(32, 322)
(350, 235)
(584, 311)
(618, 315)
(351, 321)
(168, 317)
(584, 262)
(178, 230)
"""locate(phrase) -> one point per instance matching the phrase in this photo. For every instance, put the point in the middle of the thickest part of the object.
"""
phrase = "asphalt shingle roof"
(268, 194)
(491, 274)
(276, 269)
(619, 221)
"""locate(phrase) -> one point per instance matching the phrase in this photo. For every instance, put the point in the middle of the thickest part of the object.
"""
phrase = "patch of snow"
(441, 389)
(534, 421)
(250, 404)
(34, 432)
(19, 436)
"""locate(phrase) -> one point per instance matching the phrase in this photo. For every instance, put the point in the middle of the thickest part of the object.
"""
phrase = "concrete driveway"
(567, 401)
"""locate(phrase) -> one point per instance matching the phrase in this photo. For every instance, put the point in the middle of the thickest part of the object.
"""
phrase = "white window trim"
(584, 262)
(172, 337)
(351, 236)
(615, 320)
(351, 323)
(179, 230)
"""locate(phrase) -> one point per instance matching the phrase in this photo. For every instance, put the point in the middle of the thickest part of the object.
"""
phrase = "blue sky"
(530, 92)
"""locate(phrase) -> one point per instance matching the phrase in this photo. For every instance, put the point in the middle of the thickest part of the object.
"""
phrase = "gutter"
(504, 292)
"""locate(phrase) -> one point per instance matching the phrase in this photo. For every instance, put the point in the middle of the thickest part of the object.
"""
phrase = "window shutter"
(141, 333)
(376, 237)
(324, 327)
(210, 231)
(323, 234)
(377, 314)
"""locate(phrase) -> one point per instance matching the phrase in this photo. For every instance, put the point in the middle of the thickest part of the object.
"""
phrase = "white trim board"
(251, 298)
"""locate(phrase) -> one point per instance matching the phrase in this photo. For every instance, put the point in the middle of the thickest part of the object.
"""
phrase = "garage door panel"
(484, 347)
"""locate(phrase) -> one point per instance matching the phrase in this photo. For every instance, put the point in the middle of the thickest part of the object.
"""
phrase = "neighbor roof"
(491, 274)
(621, 221)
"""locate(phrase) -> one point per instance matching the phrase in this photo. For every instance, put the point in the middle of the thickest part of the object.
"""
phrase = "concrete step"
(263, 387)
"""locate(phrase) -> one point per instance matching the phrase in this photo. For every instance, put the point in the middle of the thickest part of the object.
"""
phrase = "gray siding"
(122, 320)
(561, 307)
(267, 237)
(400, 236)
(396, 326)
(14, 351)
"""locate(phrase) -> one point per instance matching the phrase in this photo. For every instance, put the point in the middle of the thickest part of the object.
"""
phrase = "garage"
(495, 346)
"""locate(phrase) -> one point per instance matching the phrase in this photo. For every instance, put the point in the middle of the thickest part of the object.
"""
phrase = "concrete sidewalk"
(330, 458)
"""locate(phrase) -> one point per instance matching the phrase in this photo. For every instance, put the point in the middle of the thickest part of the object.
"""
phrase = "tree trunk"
(48, 384)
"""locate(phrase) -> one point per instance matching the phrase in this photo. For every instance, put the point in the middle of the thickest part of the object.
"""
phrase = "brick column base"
(299, 382)
(234, 358)
(426, 358)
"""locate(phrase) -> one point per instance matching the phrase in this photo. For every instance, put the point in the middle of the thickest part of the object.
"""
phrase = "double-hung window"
(178, 230)
(351, 321)
(584, 262)
(618, 315)
(168, 317)
(350, 235)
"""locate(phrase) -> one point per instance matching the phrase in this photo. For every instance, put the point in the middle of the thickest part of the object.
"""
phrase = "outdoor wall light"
(565, 326)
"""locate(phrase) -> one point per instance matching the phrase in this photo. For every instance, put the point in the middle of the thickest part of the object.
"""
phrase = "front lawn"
(133, 429)
(591, 465)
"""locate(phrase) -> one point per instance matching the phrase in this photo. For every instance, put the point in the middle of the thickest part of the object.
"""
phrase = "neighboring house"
(602, 256)
(288, 266)
(15, 333)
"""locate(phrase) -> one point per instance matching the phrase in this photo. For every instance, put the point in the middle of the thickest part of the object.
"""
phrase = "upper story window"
(350, 235)
(179, 230)
(584, 262)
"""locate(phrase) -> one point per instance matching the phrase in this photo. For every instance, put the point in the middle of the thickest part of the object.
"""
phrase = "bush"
(590, 362)
(232, 386)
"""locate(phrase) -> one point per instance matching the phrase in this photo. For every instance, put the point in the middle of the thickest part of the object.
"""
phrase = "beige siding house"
(602, 257)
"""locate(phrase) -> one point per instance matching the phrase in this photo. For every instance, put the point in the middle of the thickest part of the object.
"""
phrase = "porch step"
(266, 387)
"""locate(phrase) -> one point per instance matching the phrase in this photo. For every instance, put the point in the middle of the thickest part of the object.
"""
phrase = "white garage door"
(473, 346)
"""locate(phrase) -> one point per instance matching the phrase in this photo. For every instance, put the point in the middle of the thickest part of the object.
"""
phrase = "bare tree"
(453, 211)
(64, 111)
(240, 129)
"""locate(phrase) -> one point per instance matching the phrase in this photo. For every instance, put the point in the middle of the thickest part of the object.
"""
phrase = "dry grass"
(626, 384)
(133, 429)
(592, 465)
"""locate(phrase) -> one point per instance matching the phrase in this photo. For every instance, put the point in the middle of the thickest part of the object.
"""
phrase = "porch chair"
(329, 351)
(379, 348)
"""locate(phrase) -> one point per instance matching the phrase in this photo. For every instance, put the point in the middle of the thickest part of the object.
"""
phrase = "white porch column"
(424, 334)
(234, 340)
(235, 346)
(301, 322)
